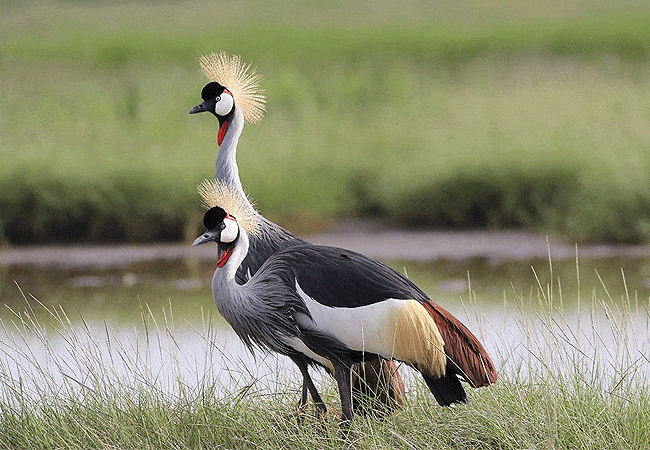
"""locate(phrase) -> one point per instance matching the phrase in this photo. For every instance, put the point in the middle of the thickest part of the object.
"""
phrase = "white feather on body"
(392, 328)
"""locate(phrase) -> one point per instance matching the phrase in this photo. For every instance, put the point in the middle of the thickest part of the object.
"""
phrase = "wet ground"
(380, 244)
(113, 301)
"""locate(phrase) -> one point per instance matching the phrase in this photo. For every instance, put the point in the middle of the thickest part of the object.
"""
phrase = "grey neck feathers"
(226, 167)
(237, 303)
(226, 275)
(271, 237)
(259, 311)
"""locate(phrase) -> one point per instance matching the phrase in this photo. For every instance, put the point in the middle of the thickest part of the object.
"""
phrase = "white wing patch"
(392, 328)
(368, 328)
(300, 346)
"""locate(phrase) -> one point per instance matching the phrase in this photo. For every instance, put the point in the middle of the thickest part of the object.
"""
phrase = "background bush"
(435, 115)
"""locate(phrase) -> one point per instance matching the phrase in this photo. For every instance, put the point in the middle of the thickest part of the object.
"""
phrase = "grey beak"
(208, 236)
(201, 107)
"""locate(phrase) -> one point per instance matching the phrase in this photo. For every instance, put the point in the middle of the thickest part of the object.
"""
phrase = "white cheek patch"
(224, 106)
(229, 234)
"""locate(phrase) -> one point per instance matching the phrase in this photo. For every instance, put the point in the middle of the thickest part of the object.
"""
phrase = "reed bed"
(574, 373)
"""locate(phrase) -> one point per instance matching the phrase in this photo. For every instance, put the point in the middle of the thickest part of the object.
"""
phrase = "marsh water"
(146, 313)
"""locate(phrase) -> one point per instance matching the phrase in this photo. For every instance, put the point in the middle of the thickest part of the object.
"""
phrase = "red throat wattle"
(223, 259)
(222, 132)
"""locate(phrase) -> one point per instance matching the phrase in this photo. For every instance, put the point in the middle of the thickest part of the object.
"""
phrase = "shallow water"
(154, 324)
(66, 356)
(120, 293)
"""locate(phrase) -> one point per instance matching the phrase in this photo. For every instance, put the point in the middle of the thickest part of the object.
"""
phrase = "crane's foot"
(319, 408)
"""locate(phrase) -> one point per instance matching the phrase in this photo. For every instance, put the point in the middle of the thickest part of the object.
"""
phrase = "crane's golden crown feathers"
(242, 81)
(226, 196)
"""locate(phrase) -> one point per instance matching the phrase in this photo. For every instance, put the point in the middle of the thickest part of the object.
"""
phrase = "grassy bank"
(531, 121)
(574, 378)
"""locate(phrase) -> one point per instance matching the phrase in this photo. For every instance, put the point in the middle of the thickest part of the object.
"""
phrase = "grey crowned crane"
(233, 96)
(334, 308)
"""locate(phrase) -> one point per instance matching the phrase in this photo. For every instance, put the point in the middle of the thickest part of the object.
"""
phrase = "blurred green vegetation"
(442, 114)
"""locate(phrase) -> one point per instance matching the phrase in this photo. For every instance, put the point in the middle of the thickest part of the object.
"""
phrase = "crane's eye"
(222, 225)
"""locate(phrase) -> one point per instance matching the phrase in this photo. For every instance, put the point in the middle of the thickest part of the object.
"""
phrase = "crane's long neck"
(226, 166)
(238, 303)
(223, 282)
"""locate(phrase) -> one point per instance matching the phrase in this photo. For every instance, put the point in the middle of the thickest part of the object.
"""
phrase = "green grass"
(537, 120)
(574, 378)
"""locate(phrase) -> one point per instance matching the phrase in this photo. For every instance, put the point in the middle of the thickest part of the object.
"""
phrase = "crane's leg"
(303, 395)
(343, 375)
(309, 386)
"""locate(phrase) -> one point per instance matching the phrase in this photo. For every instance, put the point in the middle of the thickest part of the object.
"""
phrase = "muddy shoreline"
(380, 244)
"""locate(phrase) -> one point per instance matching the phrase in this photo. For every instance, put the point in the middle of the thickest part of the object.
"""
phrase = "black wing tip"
(446, 390)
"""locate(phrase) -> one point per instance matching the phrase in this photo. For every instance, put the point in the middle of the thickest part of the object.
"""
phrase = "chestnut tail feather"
(469, 359)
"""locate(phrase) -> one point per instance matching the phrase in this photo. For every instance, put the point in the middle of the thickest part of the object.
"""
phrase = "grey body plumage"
(270, 239)
(268, 310)
(335, 307)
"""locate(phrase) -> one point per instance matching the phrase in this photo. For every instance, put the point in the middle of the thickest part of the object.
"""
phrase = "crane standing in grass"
(233, 97)
(334, 308)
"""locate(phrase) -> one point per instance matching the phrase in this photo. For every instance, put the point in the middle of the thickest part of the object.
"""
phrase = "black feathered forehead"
(213, 217)
(211, 90)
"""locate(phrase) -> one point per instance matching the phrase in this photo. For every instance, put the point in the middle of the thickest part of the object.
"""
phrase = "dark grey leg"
(343, 379)
(303, 395)
(308, 385)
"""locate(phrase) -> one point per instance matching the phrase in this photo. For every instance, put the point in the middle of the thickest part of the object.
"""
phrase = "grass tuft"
(569, 378)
